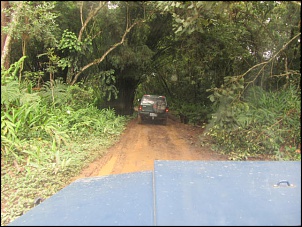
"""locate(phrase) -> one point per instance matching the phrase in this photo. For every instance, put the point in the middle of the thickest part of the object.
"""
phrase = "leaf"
(178, 20)
(212, 98)
(191, 6)
(179, 29)
(10, 93)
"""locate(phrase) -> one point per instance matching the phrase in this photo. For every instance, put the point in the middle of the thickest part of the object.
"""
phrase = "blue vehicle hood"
(196, 193)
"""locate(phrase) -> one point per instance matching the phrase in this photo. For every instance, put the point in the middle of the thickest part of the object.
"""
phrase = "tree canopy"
(205, 56)
(72, 72)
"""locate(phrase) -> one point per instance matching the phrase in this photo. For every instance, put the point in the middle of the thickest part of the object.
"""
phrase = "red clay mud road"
(141, 144)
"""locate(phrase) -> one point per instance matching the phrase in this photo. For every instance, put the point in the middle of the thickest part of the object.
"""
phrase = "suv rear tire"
(140, 120)
(165, 121)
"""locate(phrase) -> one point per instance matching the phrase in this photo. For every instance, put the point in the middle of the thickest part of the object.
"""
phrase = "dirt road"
(141, 144)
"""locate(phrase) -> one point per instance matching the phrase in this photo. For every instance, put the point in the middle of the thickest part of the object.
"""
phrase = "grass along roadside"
(21, 185)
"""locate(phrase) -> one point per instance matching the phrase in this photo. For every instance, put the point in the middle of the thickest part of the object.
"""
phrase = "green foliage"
(36, 20)
(191, 113)
(48, 146)
(103, 87)
(12, 72)
(84, 121)
(227, 101)
(75, 50)
(10, 93)
(70, 42)
(106, 85)
(186, 50)
(35, 126)
(46, 141)
(193, 16)
(77, 97)
(54, 92)
(32, 79)
(29, 120)
(28, 129)
(22, 184)
(57, 93)
(268, 125)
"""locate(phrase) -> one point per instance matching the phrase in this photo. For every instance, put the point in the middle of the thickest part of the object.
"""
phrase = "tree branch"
(81, 11)
(90, 16)
(266, 62)
(99, 60)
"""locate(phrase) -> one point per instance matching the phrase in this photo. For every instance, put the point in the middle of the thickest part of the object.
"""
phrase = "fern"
(12, 71)
(54, 93)
(32, 99)
(10, 93)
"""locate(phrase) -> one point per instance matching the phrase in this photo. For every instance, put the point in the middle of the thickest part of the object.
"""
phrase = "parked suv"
(153, 107)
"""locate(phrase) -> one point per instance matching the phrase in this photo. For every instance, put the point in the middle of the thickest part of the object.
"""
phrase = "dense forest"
(72, 71)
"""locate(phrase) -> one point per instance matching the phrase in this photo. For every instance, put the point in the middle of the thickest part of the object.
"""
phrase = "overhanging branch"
(99, 60)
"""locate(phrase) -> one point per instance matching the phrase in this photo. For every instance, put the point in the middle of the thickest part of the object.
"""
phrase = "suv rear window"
(152, 99)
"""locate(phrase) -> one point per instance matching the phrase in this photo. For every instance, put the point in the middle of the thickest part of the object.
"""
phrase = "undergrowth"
(22, 184)
(47, 137)
(258, 123)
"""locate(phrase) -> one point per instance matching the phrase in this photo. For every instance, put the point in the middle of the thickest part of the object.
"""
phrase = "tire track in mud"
(141, 144)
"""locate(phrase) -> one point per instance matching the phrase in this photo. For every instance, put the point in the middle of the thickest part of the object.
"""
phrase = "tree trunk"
(126, 86)
(5, 53)
(4, 22)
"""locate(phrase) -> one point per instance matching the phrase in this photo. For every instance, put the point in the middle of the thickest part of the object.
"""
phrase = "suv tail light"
(140, 107)
(167, 109)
